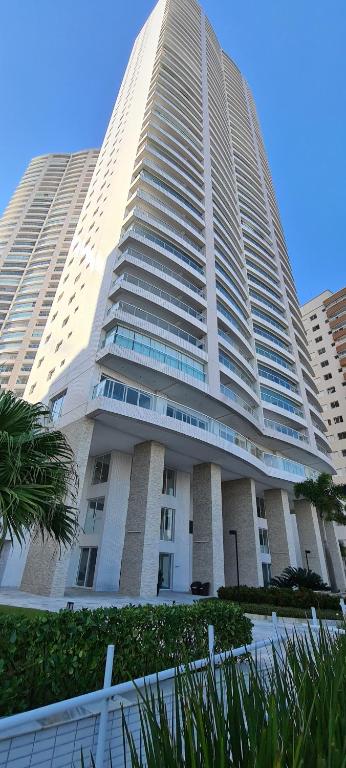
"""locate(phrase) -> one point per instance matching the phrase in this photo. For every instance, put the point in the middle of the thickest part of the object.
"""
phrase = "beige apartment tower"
(174, 356)
(324, 319)
(36, 231)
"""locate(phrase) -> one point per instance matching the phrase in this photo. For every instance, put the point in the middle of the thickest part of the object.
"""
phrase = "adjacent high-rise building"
(324, 319)
(174, 356)
(36, 231)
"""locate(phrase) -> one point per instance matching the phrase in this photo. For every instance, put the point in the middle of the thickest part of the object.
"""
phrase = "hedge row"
(300, 598)
(56, 656)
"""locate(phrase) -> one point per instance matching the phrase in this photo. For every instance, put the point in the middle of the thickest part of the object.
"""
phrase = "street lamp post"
(235, 534)
(307, 552)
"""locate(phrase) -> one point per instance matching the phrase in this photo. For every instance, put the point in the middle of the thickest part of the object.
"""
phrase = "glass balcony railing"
(278, 427)
(270, 336)
(225, 360)
(157, 351)
(167, 209)
(232, 343)
(258, 297)
(164, 223)
(280, 401)
(148, 317)
(269, 320)
(116, 390)
(164, 295)
(273, 356)
(273, 376)
(228, 392)
(167, 188)
(152, 238)
(162, 268)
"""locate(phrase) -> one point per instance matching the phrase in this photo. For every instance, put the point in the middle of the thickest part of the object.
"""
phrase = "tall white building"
(36, 231)
(174, 356)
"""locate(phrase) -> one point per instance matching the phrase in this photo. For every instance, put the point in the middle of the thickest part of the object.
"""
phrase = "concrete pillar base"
(140, 559)
(207, 547)
(310, 538)
(46, 566)
(240, 515)
(280, 530)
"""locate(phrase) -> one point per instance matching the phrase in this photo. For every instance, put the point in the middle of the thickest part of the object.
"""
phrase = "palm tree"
(37, 474)
(328, 500)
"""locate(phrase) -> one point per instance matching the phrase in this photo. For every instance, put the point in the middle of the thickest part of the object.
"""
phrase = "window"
(334, 404)
(318, 338)
(313, 317)
(342, 435)
(166, 568)
(327, 376)
(324, 363)
(343, 451)
(316, 328)
(167, 524)
(101, 469)
(267, 573)
(330, 390)
(321, 351)
(168, 484)
(56, 404)
(338, 419)
(86, 567)
(264, 543)
(65, 321)
(94, 516)
(50, 374)
(261, 512)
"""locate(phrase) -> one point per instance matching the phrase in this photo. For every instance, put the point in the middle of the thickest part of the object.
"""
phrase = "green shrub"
(59, 655)
(303, 578)
(300, 598)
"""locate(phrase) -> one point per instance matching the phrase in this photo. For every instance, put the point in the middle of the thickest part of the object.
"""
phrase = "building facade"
(174, 357)
(324, 319)
(36, 231)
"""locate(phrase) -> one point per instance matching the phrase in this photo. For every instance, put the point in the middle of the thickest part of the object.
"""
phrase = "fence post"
(315, 624)
(211, 643)
(343, 607)
(107, 682)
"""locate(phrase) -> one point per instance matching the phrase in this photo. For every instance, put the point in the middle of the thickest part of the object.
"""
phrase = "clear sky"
(62, 61)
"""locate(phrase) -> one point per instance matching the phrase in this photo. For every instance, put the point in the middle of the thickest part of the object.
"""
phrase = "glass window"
(56, 404)
(261, 512)
(94, 516)
(267, 573)
(165, 566)
(101, 469)
(86, 567)
(167, 524)
(264, 543)
(168, 484)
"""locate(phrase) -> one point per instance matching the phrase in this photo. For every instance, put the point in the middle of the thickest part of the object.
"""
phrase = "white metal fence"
(54, 735)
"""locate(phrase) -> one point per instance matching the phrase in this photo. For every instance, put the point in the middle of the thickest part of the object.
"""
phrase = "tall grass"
(291, 715)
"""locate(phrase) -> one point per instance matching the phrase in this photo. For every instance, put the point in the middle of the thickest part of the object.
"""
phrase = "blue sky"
(61, 64)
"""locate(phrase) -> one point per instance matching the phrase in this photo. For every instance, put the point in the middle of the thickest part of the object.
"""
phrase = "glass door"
(86, 568)
(165, 566)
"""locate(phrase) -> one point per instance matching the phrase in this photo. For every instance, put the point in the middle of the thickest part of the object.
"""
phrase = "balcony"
(148, 317)
(147, 401)
(239, 400)
(160, 267)
(280, 402)
(126, 281)
(285, 430)
(147, 236)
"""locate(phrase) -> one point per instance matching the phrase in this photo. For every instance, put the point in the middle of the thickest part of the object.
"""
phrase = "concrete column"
(112, 541)
(207, 547)
(336, 566)
(310, 538)
(140, 559)
(46, 566)
(280, 530)
(240, 514)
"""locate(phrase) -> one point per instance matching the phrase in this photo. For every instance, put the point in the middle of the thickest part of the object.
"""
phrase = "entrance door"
(165, 566)
(86, 568)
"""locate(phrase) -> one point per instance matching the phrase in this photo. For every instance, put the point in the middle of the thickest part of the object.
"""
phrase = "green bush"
(59, 655)
(300, 598)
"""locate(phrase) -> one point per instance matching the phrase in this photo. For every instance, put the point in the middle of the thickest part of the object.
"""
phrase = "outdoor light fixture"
(235, 534)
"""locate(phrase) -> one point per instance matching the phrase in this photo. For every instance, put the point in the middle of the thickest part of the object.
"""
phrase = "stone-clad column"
(46, 566)
(280, 531)
(310, 538)
(240, 514)
(336, 565)
(207, 547)
(140, 559)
